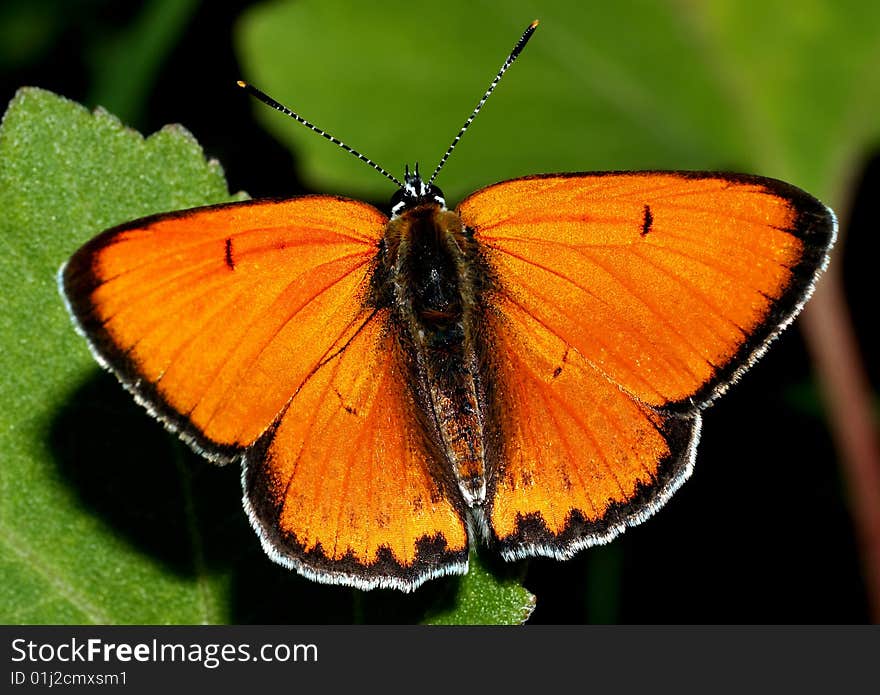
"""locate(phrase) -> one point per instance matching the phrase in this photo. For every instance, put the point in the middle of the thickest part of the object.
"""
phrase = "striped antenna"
(269, 101)
(514, 54)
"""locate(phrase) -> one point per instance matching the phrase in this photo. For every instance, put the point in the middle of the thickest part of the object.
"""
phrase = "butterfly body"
(435, 279)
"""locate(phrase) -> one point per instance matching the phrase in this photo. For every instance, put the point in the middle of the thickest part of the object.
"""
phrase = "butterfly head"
(414, 192)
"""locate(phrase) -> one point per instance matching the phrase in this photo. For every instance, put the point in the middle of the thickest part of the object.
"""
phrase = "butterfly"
(528, 369)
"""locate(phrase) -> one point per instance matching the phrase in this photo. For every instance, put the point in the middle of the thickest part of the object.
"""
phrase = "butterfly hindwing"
(343, 487)
(578, 459)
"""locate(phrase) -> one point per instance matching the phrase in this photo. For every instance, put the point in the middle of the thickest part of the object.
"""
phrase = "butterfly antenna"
(514, 54)
(269, 101)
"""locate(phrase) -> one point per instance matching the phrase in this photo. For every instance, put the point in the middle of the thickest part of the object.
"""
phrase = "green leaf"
(484, 598)
(65, 175)
(782, 89)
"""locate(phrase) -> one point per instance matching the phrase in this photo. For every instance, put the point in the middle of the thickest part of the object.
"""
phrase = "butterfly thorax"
(427, 278)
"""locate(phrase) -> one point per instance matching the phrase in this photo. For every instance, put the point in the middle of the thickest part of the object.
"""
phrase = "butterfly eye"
(435, 195)
(398, 202)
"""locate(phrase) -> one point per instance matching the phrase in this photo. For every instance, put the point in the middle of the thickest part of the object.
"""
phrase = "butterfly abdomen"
(427, 277)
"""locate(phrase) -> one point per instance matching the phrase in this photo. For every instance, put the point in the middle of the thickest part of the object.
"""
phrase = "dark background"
(788, 557)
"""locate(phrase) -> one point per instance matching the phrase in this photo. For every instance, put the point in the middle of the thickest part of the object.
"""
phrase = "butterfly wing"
(213, 317)
(647, 294)
(247, 329)
(343, 488)
(577, 459)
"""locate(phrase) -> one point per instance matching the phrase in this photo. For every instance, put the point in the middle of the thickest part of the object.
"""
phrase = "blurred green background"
(762, 533)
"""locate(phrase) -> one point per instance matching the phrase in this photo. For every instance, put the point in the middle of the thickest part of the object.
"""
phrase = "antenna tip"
(242, 84)
(534, 24)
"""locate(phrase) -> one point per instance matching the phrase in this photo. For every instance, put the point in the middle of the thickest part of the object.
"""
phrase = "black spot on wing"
(647, 221)
(230, 263)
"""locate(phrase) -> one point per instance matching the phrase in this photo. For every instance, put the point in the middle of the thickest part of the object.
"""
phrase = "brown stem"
(830, 337)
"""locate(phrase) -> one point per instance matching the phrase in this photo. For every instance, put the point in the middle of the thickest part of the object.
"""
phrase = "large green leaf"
(66, 174)
(106, 518)
(787, 89)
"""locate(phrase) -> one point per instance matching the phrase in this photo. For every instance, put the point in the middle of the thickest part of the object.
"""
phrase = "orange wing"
(213, 317)
(623, 304)
(245, 328)
(343, 488)
(578, 459)
(669, 284)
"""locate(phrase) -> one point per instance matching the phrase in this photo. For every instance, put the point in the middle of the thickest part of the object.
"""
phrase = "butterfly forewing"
(214, 317)
(667, 283)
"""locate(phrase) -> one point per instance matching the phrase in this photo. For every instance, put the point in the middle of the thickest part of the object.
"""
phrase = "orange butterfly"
(530, 367)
